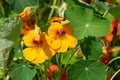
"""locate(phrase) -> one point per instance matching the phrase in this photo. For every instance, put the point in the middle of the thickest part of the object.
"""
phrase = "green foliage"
(2, 73)
(115, 11)
(17, 50)
(4, 44)
(70, 2)
(19, 5)
(22, 71)
(6, 8)
(16, 26)
(85, 23)
(68, 57)
(91, 47)
(87, 70)
(2, 20)
(9, 28)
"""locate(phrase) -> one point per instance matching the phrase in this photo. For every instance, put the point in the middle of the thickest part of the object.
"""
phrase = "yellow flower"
(61, 36)
(15, 59)
(26, 13)
(56, 19)
(38, 50)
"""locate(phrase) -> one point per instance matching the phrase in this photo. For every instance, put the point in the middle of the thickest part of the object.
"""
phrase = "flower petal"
(54, 28)
(29, 54)
(64, 46)
(71, 41)
(25, 14)
(118, 29)
(68, 29)
(40, 57)
(28, 39)
(54, 43)
(49, 52)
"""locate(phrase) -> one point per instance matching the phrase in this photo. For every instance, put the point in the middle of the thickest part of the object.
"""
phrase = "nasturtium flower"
(56, 19)
(28, 25)
(26, 13)
(53, 69)
(115, 25)
(61, 36)
(37, 50)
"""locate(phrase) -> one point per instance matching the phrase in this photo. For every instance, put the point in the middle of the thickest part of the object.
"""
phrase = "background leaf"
(2, 20)
(22, 71)
(19, 5)
(115, 11)
(87, 70)
(6, 8)
(91, 47)
(11, 29)
(67, 55)
(4, 44)
(85, 23)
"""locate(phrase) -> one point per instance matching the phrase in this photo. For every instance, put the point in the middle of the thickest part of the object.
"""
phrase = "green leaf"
(19, 5)
(87, 70)
(68, 57)
(22, 71)
(4, 44)
(102, 6)
(2, 73)
(2, 20)
(6, 8)
(70, 2)
(18, 50)
(11, 29)
(91, 48)
(115, 11)
(85, 23)
(15, 26)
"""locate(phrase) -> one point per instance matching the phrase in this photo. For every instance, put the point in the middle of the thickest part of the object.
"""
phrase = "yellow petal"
(68, 29)
(71, 41)
(54, 43)
(54, 28)
(40, 57)
(26, 13)
(49, 52)
(28, 39)
(63, 47)
(29, 54)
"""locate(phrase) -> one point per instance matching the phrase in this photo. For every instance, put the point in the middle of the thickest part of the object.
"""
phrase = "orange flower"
(28, 25)
(26, 13)
(110, 35)
(37, 50)
(53, 68)
(118, 29)
(61, 36)
(105, 57)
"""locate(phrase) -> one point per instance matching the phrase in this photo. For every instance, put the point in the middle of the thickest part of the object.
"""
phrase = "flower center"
(61, 34)
(39, 40)
(38, 43)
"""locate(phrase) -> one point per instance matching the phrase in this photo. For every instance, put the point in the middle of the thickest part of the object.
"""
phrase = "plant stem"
(52, 10)
(115, 74)
(59, 63)
(69, 59)
(105, 13)
(114, 59)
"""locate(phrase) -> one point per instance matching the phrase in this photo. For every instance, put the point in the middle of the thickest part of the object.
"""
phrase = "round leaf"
(21, 71)
(87, 70)
(85, 23)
